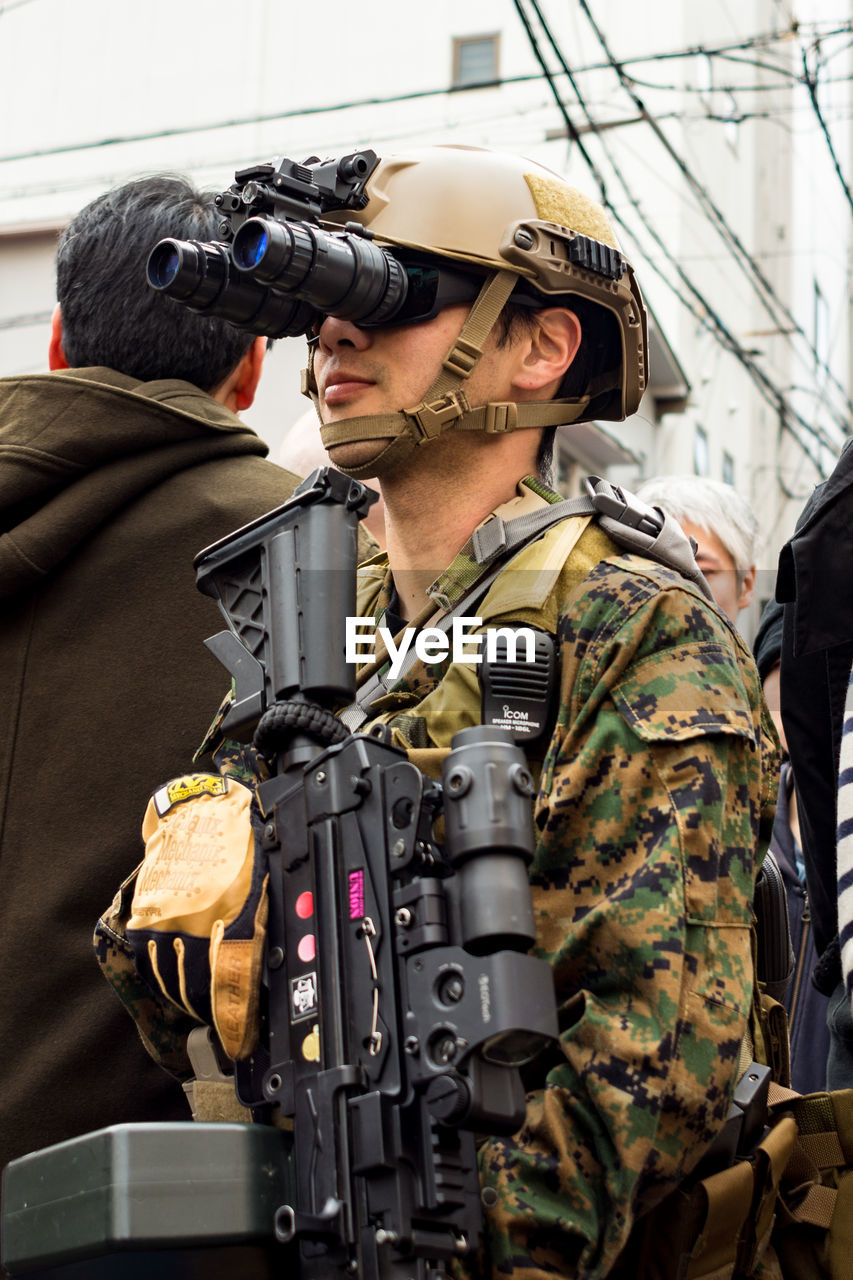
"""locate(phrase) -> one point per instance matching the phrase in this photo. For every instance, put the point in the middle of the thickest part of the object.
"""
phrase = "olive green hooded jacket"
(108, 488)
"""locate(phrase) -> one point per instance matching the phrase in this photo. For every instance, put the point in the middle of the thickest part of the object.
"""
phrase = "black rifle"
(398, 999)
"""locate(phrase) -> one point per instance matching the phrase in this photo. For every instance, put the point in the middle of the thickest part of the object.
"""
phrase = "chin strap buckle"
(499, 418)
(462, 357)
(432, 419)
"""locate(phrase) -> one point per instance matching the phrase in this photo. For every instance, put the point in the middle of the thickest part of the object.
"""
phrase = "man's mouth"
(342, 386)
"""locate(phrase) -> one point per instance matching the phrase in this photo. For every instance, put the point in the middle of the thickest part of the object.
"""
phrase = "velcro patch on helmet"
(557, 202)
(188, 787)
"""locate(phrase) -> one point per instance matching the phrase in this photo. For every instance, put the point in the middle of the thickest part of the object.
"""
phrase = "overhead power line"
(235, 122)
(759, 282)
(703, 91)
(723, 51)
(811, 84)
(26, 321)
(13, 4)
(700, 308)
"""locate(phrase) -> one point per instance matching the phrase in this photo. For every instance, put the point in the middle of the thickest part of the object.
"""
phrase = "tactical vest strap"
(652, 532)
(817, 1206)
(355, 715)
(498, 537)
(823, 1149)
(823, 1152)
(789, 1201)
(630, 522)
(717, 1228)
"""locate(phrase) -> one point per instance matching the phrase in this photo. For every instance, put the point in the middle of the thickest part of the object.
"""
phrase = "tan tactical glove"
(199, 911)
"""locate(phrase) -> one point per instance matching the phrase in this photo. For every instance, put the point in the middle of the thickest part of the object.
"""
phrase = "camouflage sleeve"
(655, 791)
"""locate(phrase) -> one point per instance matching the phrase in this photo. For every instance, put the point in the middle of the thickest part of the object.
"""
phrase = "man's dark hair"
(599, 348)
(111, 317)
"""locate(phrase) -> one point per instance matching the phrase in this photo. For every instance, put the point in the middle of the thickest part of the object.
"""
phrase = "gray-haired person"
(725, 528)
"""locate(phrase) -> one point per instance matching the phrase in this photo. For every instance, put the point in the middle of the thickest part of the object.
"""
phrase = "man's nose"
(334, 332)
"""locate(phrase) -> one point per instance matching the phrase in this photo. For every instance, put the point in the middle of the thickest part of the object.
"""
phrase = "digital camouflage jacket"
(656, 797)
(655, 804)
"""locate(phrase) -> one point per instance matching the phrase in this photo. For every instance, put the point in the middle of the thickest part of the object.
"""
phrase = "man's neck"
(429, 519)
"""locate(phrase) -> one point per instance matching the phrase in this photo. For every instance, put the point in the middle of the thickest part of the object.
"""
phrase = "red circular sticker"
(307, 948)
(305, 906)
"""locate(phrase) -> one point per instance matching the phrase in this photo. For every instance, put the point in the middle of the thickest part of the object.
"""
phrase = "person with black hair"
(116, 468)
(107, 316)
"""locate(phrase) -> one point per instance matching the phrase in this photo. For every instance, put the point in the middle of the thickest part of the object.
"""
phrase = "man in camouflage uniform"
(655, 783)
(655, 789)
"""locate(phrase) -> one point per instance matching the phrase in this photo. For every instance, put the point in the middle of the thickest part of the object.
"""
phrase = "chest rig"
(631, 523)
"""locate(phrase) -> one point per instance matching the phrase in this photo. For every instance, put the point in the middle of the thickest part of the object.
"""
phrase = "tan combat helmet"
(525, 229)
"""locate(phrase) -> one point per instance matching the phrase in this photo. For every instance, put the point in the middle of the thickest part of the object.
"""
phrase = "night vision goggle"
(283, 279)
(279, 270)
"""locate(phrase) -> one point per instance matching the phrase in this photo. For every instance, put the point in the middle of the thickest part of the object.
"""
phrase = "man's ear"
(747, 587)
(550, 348)
(238, 390)
(55, 351)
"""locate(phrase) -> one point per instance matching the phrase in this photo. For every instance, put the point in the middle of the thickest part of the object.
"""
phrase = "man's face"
(732, 591)
(374, 371)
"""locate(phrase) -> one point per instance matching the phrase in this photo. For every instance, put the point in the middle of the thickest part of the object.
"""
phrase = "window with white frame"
(475, 60)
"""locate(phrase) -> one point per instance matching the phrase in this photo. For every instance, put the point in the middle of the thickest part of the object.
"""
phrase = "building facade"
(718, 135)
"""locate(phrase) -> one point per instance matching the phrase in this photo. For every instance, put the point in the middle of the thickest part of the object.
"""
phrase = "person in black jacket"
(813, 584)
(804, 1004)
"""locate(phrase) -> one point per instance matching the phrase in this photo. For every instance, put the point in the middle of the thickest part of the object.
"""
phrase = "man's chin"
(349, 457)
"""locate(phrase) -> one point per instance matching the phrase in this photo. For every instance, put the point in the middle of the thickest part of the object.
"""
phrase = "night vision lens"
(189, 270)
(164, 264)
(251, 245)
(200, 276)
(336, 272)
(282, 274)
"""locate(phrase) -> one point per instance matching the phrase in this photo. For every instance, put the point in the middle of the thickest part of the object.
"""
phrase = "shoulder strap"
(630, 522)
(357, 712)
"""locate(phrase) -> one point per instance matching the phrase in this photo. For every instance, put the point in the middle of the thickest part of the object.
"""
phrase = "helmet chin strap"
(445, 405)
